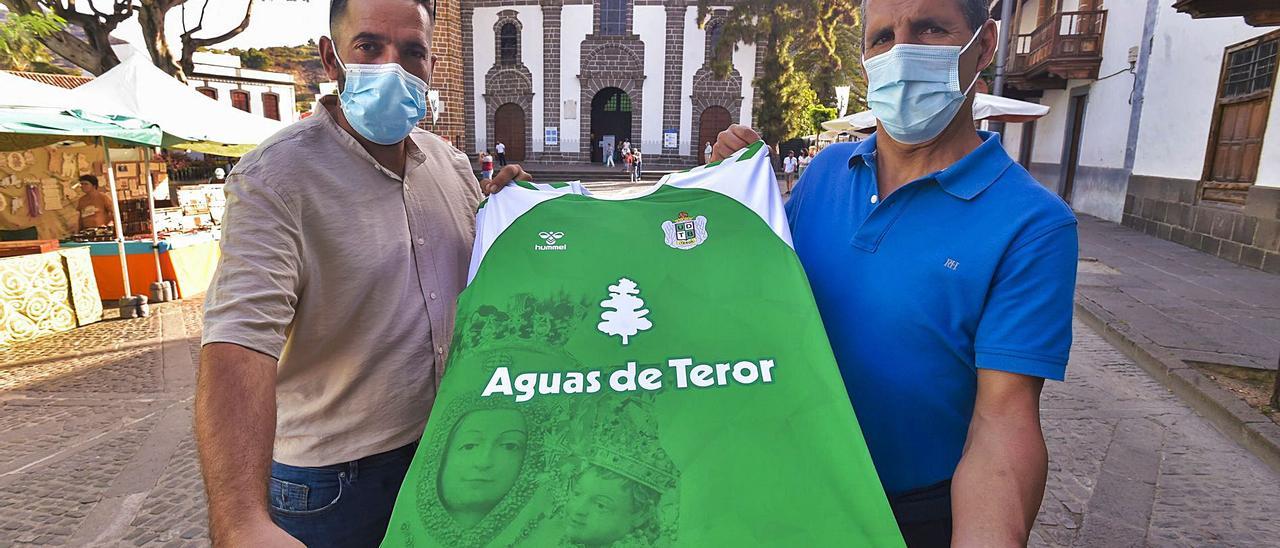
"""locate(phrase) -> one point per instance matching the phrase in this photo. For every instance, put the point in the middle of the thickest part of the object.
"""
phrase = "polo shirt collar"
(966, 178)
(414, 159)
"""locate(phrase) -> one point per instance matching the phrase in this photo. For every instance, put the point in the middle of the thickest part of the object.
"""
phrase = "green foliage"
(254, 58)
(810, 46)
(819, 114)
(20, 47)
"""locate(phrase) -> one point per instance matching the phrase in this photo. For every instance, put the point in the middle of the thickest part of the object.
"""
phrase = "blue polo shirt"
(970, 267)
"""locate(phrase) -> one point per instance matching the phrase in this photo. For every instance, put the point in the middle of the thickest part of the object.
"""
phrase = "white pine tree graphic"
(625, 317)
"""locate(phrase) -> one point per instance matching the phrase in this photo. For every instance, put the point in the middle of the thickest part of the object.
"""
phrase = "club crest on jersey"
(685, 232)
(550, 238)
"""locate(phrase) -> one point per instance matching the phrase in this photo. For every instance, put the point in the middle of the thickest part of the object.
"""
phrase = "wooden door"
(508, 129)
(714, 120)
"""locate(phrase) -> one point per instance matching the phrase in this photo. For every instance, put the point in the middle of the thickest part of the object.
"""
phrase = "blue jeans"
(347, 504)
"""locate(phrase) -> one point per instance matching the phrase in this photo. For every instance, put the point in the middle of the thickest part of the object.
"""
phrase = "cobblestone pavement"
(96, 449)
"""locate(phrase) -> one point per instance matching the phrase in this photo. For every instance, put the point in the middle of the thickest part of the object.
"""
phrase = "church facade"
(558, 80)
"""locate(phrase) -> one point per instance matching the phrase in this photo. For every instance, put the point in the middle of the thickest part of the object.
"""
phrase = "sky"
(274, 22)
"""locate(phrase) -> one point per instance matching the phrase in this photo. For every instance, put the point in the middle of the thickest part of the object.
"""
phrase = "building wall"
(669, 88)
(288, 101)
(446, 45)
(575, 25)
(1163, 195)
(651, 25)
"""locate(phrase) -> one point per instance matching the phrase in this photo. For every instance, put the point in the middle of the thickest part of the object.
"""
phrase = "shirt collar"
(966, 178)
(415, 156)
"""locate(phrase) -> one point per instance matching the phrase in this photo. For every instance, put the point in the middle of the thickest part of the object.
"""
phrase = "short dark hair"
(975, 12)
(89, 179)
(338, 8)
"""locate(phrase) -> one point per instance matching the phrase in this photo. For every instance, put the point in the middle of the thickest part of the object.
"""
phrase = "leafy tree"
(810, 46)
(20, 47)
(98, 19)
(255, 59)
(818, 114)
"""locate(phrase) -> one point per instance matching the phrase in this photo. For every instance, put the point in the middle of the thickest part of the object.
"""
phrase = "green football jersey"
(641, 372)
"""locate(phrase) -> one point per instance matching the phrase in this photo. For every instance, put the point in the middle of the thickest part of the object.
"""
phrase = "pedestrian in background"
(789, 166)
(806, 156)
(706, 153)
(637, 161)
(502, 154)
(486, 165)
(608, 154)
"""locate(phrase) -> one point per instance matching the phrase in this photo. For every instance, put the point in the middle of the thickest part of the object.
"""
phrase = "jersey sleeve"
(500, 210)
(747, 177)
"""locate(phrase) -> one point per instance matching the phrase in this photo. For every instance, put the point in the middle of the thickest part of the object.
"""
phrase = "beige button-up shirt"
(349, 276)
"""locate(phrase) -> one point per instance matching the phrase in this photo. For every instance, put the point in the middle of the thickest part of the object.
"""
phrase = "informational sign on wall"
(551, 136)
(671, 138)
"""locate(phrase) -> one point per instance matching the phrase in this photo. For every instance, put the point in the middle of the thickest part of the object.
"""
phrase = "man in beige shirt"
(328, 322)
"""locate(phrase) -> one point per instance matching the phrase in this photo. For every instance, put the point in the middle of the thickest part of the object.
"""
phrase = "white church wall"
(482, 57)
(694, 55)
(650, 24)
(575, 25)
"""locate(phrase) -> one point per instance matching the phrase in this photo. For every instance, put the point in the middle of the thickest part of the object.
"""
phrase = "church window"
(613, 17)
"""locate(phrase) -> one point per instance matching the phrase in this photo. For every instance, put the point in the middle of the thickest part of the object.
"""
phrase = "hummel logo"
(951, 264)
(551, 238)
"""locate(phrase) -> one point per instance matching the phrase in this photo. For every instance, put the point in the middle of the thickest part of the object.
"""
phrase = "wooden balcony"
(1255, 12)
(1068, 45)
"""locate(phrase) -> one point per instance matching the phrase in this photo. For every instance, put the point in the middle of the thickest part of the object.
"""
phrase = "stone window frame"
(716, 19)
(248, 100)
(210, 92)
(508, 17)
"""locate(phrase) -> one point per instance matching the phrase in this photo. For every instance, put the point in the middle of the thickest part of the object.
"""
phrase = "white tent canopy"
(985, 107)
(138, 89)
(16, 91)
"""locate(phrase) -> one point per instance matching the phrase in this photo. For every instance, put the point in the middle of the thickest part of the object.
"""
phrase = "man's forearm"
(999, 483)
(235, 413)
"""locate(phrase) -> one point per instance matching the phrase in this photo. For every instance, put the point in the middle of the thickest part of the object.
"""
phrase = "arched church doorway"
(508, 129)
(714, 120)
(610, 121)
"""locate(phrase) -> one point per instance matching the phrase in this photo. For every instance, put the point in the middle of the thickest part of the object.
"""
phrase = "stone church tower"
(446, 44)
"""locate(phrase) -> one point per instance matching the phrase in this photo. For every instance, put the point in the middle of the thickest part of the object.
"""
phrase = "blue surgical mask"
(382, 102)
(914, 90)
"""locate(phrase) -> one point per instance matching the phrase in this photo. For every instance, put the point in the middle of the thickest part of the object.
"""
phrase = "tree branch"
(190, 43)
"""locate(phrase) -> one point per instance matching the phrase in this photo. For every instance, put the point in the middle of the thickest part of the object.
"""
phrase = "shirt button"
(433, 295)
(422, 241)
(874, 198)
(440, 350)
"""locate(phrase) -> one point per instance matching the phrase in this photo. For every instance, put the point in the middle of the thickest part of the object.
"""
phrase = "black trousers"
(502, 158)
(924, 515)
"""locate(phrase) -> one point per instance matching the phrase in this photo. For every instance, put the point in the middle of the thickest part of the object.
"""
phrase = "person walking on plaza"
(608, 154)
(345, 245)
(95, 205)
(627, 160)
(637, 166)
(806, 157)
(706, 153)
(502, 154)
(944, 274)
(486, 165)
(789, 166)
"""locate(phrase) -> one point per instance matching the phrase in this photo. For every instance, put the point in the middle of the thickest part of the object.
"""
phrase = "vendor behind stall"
(95, 206)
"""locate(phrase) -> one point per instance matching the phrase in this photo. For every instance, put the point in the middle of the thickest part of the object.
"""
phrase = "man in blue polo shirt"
(944, 274)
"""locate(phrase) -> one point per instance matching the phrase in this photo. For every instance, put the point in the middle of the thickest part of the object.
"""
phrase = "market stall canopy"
(985, 107)
(190, 120)
(25, 128)
(16, 91)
